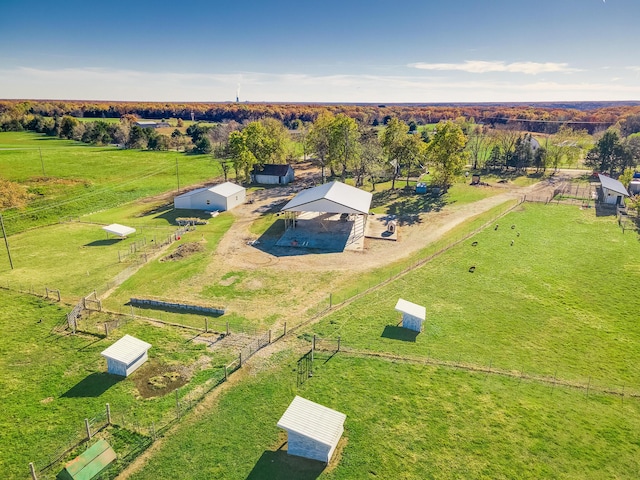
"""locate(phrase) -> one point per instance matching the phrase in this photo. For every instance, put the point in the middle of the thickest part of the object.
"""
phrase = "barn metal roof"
(126, 350)
(411, 308)
(276, 170)
(313, 420)
(334, 197)
(612, 184)
(119, 230)
(225, 189)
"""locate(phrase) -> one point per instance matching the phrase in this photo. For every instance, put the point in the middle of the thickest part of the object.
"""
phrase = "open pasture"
(52, 382)
(67, 178)
(547, 297)
(406, 421)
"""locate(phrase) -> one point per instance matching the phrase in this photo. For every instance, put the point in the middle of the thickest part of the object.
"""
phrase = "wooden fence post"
(285, 330)
(88, 428)
(226, 373)
(206, 325)
(106, 329)
(32, 469)
(338, 344)
(108, 414)
(227, 328)
(269, 336)
(240, 357)
(313, 346)
(177, 406)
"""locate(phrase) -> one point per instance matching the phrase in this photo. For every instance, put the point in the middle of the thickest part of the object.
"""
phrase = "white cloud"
(105, 84)
(634, 68)
(480, 66)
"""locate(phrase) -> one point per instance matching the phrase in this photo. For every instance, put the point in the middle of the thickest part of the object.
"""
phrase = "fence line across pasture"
(263, 339)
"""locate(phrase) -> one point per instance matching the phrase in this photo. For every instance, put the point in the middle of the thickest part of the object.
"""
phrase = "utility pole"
(178, 174)
(42, 163)
(6, 241)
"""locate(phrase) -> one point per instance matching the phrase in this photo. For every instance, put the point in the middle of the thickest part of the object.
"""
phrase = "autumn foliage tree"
(446, 154)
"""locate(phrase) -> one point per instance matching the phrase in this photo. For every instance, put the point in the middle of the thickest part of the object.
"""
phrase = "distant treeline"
(542, 118)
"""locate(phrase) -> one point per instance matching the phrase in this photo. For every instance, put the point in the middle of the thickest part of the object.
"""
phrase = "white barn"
(313, 430)
(412, 315)
(613, 192)
(272, 174)
(222, 197)
(126, 355)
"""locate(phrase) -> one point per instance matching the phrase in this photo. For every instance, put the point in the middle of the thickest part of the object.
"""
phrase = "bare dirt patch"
(155, 380)
(183, 251)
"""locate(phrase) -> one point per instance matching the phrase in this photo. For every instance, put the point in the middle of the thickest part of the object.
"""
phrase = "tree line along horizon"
(348, 147)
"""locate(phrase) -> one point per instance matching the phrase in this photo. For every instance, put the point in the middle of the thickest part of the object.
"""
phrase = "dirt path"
(236, 252)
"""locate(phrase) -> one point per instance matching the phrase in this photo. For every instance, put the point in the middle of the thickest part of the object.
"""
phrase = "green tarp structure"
(90, 463)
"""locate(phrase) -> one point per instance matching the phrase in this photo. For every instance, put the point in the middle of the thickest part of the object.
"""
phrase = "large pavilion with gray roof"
(330, 217)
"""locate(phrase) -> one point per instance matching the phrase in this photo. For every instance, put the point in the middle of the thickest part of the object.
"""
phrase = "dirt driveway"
(235, 250)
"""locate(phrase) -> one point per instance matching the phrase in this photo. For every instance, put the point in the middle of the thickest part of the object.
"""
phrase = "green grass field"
(554, 302)
(80, 179)
(550, 297)
(52, 382)
(408, 421)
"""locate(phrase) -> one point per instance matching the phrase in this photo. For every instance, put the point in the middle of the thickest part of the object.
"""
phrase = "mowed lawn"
(407, 421)
(552, 293)
(66, 178)
(50, 382)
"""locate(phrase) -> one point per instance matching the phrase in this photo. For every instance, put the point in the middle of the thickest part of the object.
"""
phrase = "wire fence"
(250, 341)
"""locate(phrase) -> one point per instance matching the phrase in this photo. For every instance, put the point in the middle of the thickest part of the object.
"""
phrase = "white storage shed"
(412, 315)
(126, 355)
(313, 430)
(613, 192)
(222, 197)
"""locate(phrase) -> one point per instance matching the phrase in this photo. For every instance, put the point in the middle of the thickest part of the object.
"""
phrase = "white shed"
(126, 355)
(119, 230)
(313, 430)
(224, 196)
(613, 192)
(412, 315)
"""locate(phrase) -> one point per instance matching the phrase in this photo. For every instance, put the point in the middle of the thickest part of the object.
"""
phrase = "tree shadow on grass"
(279, 465)
(399, 333)
(406, 205)
(93, 385)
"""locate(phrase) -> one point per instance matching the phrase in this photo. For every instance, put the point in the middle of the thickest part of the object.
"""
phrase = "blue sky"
(329, 51)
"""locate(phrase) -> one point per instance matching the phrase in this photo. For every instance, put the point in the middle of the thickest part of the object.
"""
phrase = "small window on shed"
(208, 202)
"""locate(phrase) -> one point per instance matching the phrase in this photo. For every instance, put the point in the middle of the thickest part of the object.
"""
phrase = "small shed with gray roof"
(126, 355)
(313, 430)
(613, 192)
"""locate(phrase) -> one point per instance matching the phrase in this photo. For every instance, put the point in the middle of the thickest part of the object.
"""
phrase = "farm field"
(51, 382)
(406, 421)
(65, 178)
(548, 304)
(514, 356)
